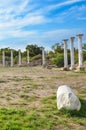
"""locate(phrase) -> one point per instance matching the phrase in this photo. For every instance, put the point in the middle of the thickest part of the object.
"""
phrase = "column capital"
(71, 38)
(42, 48)
(65, 40)
(79, 35)
(11, 49)
(19, 49)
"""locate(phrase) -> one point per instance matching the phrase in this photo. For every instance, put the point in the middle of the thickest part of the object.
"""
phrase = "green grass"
(28, 98)
(11, 119)
(63, 117)
(47, 117)
(82, 91)
(22, 79)
(3, 81)
(31, 102)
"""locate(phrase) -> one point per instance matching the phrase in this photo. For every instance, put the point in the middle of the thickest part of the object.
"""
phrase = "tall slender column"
(80, 52)
(3, 58)
(20, 58)
(65, 54)
(11, 58)
(28, 61)
(43, 56)
(72, 51)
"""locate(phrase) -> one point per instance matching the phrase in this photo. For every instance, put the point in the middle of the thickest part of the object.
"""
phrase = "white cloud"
(60, 34)
(16, 14)
(69, 2)
(46, 39)
(82, 18)
(71, 14)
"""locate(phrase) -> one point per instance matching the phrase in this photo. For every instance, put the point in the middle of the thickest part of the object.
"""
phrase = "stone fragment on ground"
(67, 99)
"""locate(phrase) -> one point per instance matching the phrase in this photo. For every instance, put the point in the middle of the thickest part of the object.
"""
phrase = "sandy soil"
(34, 83)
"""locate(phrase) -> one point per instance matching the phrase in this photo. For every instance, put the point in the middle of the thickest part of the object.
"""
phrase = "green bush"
(37, 57)
(76, 57)
(59, 60)
(84, 56)
(16, 60)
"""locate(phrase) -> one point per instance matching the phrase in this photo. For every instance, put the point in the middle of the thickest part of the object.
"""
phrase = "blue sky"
(41, 22)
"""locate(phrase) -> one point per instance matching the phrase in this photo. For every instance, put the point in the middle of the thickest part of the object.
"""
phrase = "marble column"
(3, 58)
(72, 52)
(28, 57)
(43, 56)
(80, 52)
(65, 54)
(20, 63)
(11, 58)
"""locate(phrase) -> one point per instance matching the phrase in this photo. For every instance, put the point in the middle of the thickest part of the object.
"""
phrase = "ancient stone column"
(3, 58)
(28, 57)
(65, 54)
(72, 52)
(11, 58)
(80, 52)
(43, 56)
(20, 63)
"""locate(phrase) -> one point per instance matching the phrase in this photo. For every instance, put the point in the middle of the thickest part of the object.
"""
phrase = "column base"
(72, 68)
(66, 68)
(20, 65)
(44, 65)
(28, 64)
(80, 68)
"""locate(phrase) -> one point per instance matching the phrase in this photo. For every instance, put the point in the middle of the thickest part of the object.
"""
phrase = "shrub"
(59, 60)
(84, 56)
(37, 57)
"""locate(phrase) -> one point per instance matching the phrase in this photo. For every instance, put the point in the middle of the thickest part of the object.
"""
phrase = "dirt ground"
(26, 88)
(35, 83)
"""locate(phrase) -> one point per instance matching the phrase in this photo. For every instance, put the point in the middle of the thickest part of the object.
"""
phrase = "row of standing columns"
(20, 58)
(80, 52)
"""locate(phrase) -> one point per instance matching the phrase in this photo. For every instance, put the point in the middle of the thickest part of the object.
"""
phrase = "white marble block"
(67, 99)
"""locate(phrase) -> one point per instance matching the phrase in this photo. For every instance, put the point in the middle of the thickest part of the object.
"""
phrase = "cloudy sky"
(41, 22)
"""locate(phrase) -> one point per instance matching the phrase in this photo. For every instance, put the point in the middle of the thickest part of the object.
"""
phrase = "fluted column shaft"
(72, 51)
(11, 58)
(65, 54)
(80, 52)
(20, 58)
(3, 58)
(43, 56)
(28, 61)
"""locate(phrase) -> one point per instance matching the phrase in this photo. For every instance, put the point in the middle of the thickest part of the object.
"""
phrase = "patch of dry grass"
(34, 89)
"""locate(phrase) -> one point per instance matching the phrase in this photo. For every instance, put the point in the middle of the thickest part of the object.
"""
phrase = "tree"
(84, 47)
(57, 47)
(34, 50)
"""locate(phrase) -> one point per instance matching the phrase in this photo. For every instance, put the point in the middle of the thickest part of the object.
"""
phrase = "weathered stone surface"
(67, 99)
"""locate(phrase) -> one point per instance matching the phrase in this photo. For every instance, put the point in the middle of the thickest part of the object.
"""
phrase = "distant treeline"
(56, 55)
